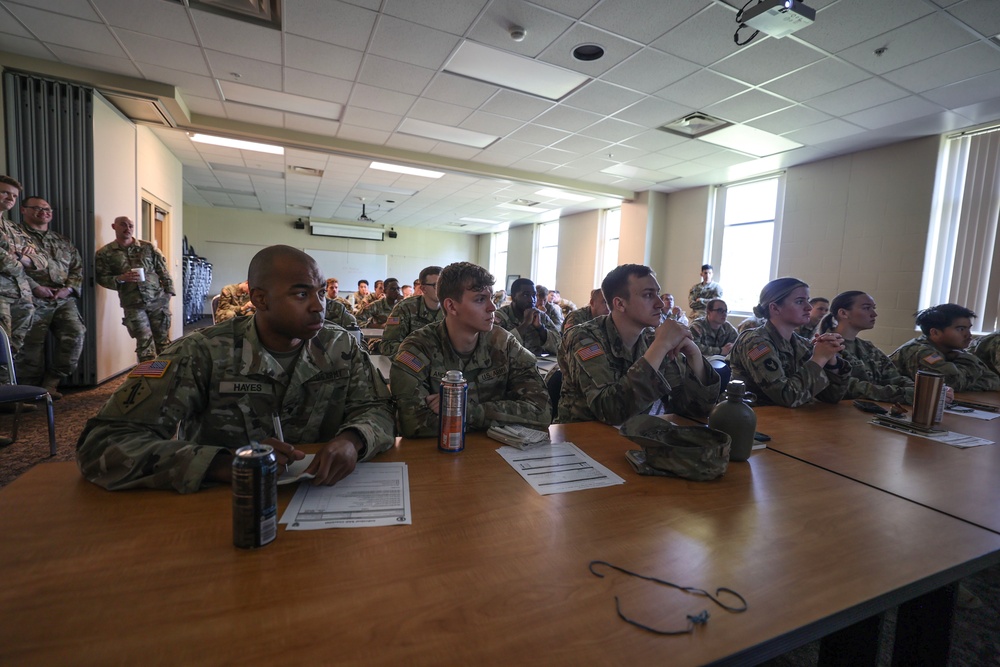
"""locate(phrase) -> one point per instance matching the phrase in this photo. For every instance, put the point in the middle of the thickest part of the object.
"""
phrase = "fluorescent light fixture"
(375, 187)
(276, 100)
(625, 171)
(484, 220)
(750, 140)
(238, 143)
(512, 71)
(412, 171)
(528, 209)
(250, 171)
(345, 231)
(227, 191)
(453, 135)
(561, 194)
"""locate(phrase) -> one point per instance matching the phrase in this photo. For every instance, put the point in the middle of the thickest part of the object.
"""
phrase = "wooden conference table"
(960, 482)
(489, 573)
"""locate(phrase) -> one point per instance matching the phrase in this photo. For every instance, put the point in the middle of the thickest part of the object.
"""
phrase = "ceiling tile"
(655, 140)
(911, 43)
(311, 124)
(542, 27)
(205, 106)
(381, 99)
(786, 120)
(148, 16)
(516, 105)
(602, 98)
(616, 50)
(567, 118)
(650, 70)
(10, 26)
(459, 90)
(766, 59)
(538, 135)
(310, 84)
(747, 105)
(156, 51)
(454, 16)
(370, 118)
(489, 123)
(579, 145)
(654, 161)
(851, 22)
(518, 149)
(574, 8)
(701, 89)
(611, 129)
(394, 75)
(412, 43)
(962, 63)
(310, 18)
(653, 112)
(410, 143)
(95, 60)
(363, 134)
(221, 33)
(438, 112)
(823, 132)
(724, 158)
(983, 16)
(68, 31)
(691, 149)
(817, 79)
(858, 96)
(704, 38)
(893, 113)
(251, 114)
(188, 84)
(321, 58)
(657, 17)
(225, 66)
(971, 91)
(80, 10)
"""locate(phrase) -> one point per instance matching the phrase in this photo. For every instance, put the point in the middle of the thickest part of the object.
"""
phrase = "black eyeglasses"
(40, 209)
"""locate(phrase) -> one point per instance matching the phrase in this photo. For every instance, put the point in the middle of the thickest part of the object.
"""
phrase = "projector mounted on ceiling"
(776, 18)
(364, 216)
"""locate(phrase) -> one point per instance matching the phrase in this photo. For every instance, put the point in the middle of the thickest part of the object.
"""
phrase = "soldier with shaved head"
(176, 421)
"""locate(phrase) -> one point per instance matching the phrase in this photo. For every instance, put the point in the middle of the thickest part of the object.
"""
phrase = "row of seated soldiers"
(177, 420)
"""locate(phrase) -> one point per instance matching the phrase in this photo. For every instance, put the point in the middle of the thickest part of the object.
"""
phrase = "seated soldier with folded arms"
(177, 420)
(712, 333)
(504, 384)
(533, 328)
(619, 365)
(947, 332)
(987, 349)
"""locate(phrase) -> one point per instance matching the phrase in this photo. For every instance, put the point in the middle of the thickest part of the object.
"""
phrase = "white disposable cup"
(141, 274)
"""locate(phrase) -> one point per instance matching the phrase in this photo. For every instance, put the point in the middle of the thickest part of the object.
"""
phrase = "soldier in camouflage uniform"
(751, 322)
(504, 384)
(821, 307)
(16, 304)
(376, 313)
(176, 421)
(147, 303)
(703, 292)
(780, 366)
(410, 314)
(619, 365)
(597, 307)
(362, 297)
(544, 303)
(57, 267)
(873, 375)
(947, 330)
(533, 329)
(234, 301)
(987, 349)
(713, 335)
(672, 312)
(565, 305)
(338, 309)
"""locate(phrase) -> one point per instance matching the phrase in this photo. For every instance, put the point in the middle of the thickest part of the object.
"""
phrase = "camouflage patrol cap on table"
(692, 452)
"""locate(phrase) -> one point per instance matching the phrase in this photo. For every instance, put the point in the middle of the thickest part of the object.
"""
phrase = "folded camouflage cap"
(693, 452)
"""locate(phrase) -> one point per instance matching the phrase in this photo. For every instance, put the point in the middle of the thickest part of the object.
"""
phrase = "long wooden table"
(489, 572)
(960, 482)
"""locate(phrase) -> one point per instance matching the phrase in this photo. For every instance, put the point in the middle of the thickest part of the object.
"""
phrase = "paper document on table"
(558, 468)
(946, 437)
(375, 494)
(972, 412)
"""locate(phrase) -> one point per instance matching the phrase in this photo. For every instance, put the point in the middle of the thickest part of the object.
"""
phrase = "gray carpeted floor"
(976, 641)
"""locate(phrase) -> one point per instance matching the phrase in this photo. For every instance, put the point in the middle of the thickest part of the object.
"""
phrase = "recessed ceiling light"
(412, 171)
(488, 222)
(512, 71)
(560, 194)
(453, 135)
(277, 100)
(238, 143)
(528, 209)
(588, 52)
(750, 140)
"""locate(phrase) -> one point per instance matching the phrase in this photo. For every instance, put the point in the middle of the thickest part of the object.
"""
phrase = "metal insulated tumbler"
(454, 392)
(926, 397)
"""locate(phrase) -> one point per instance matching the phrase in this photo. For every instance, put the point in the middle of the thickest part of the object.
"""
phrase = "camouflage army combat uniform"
(505, 318)
(962, 370)
(873, 375)
(339, 314)
(700, 295)
(376, 313)
(55, 264)
(780, 372)
(16, 301)
(231, 302)
(222, 388)
(807, 331)
(578, 316)
(710, 341)
(146, 304)
(504, 384)
(555, 314)
(987, 349)
(567, 307)
(751, 322)
(409, 315)
(604, 381)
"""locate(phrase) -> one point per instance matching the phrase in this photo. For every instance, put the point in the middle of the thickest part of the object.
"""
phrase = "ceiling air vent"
(524, 202)
(141, 109)
(694, 125)
(305, 171)
(261, 12)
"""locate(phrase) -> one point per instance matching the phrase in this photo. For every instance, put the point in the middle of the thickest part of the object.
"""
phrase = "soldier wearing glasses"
(712, 333)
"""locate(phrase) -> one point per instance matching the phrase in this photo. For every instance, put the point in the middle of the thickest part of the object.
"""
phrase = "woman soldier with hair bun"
(780, 366)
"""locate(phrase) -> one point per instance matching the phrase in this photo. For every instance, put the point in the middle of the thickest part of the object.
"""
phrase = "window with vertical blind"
(607, 248)
(962, 262)
(547, 254)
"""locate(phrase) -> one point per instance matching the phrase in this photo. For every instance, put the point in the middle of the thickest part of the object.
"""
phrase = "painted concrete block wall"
(578, 256)
(520, 246)
(680, 219)
(633, 243)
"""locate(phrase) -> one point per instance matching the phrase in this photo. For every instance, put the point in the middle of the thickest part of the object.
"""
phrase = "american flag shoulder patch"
(410, 360)
(759, 351)
(154, 368)
(392, 320)
(589, 352)
(933, 358)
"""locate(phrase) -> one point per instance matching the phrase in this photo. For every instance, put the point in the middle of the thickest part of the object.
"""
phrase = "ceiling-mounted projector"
(778, 18)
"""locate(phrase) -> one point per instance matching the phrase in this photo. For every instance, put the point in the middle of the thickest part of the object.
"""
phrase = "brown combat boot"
(51, 385)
